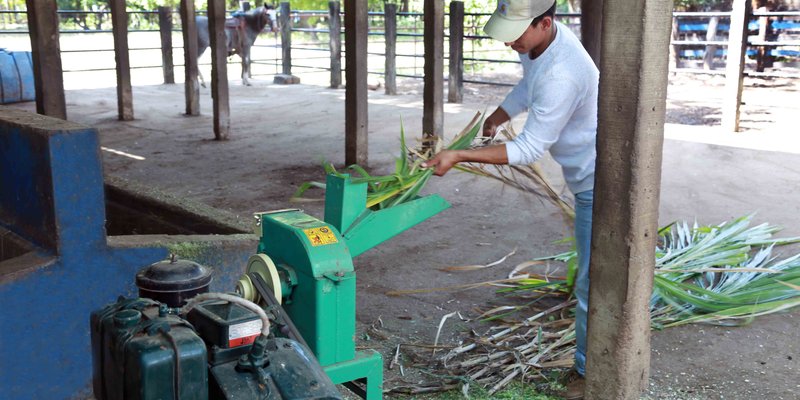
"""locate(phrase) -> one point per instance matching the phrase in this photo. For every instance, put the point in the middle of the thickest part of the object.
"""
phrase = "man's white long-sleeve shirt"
(559, 91)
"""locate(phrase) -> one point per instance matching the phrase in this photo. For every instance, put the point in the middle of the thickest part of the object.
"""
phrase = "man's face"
(533, 37)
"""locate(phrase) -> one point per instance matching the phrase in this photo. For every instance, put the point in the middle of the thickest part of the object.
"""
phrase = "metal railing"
(479, 52)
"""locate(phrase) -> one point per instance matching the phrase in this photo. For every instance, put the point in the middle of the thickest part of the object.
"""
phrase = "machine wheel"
(262, 265)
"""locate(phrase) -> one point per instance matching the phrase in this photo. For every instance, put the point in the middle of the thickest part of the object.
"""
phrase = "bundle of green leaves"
(408, 178)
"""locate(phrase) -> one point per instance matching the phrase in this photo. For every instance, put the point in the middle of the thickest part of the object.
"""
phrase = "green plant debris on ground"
(722, 274)
(514, 391)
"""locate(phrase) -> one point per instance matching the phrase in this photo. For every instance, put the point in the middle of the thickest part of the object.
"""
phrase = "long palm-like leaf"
(407, 180)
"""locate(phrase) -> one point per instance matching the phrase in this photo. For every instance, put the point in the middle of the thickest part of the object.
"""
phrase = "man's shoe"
(575, 389)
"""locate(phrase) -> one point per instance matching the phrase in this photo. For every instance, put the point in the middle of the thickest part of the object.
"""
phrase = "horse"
(241, 31)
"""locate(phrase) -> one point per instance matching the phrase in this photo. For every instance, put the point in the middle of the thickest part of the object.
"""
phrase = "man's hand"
(442, 162)
(489, 128)
(493, 121)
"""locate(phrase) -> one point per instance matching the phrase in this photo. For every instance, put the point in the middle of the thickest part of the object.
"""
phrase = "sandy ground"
(281, 134)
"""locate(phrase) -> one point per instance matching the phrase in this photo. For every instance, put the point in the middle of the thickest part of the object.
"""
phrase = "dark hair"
(551, 12)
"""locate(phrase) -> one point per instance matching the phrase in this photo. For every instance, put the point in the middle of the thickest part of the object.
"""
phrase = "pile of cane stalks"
(725, 274)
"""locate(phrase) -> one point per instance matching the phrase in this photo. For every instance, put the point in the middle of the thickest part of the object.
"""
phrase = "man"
(559, 91)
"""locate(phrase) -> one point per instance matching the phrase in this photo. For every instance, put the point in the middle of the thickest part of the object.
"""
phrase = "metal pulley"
(262, 265)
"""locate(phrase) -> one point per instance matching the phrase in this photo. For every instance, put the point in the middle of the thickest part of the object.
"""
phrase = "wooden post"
(763, 51)
(46, 54)
(592, 27)
(119, 22)
(674, 50)
(630, 136)
(433, 92)
(286, 76)
(734, 68)
(335, 39)
(286, 38)
(711, 50)
(189, 28)
(165, 28)
(390, 33)
(455, 83)
(219, 69)
(355, 104)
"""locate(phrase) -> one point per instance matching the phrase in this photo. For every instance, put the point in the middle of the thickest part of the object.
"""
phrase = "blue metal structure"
(16, 77)
(52, 201)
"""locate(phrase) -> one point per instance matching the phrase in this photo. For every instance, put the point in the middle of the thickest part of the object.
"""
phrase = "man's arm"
(446, 159)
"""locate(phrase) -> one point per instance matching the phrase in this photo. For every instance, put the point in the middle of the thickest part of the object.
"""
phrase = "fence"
(698, 45)
(702, 37)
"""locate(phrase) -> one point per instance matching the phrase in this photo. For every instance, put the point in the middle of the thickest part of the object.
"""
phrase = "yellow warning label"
(320, 236)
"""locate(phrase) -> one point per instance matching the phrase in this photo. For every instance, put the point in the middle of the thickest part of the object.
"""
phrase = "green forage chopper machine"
(304, 285)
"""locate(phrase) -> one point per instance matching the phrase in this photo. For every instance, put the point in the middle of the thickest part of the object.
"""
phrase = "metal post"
(119, 21)
(189, 28)
(630, 136)
(433, 96)
(390, 31)
(455, 83)
(335, 39)
(355, 109)
(165, 28)
(219, 69)
(734, 69)
(46, 54)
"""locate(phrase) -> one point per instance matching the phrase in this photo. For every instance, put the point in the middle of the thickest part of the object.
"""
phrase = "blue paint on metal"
(51, 193)
(24, 63)
(78, 190)
(16, 77)
(24, 175)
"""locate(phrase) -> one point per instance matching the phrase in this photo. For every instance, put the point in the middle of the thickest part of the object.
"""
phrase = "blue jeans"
(583, 240)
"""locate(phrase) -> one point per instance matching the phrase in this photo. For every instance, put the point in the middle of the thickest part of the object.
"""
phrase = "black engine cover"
(291, 373)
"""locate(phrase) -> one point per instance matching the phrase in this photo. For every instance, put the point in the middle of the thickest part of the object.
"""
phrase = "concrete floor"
(281, 134)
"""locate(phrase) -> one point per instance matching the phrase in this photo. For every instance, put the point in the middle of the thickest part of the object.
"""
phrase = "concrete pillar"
(119, 22)
(734, 67)
(592, 27)
(433, 92)
(355, 104)
(47, 73)
(219, 69)
(633, 86)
